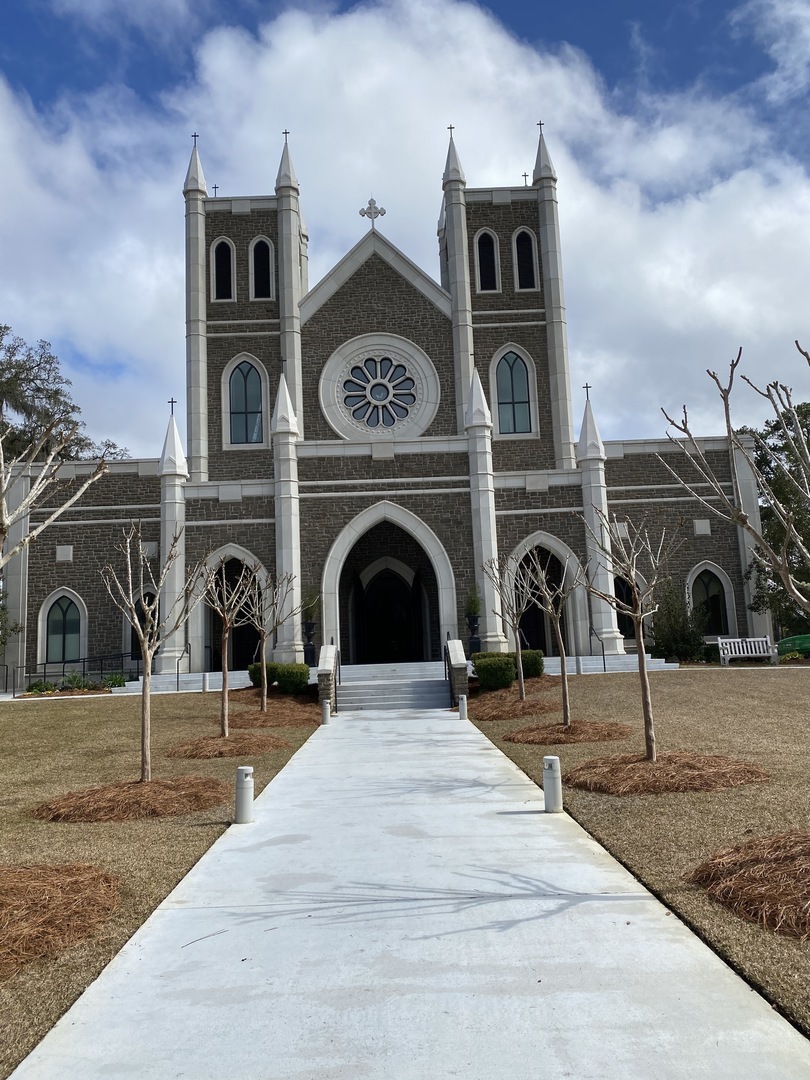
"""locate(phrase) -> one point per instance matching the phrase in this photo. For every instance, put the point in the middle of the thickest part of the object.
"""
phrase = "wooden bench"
(746, 648)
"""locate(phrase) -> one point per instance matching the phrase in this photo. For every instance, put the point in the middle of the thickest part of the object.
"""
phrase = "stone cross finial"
(216, 189)
(541, 125)
(172, 402)
(525, 179)
(587, 388)
(285, 133)
(372, 211)
(195, 136)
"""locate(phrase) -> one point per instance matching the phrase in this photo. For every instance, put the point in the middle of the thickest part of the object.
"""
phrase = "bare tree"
(514, 588)
(629, 551)
(551, 596)
(26, 477)
(268, 605)
(137, 592)
(789, 472)
(229, 597)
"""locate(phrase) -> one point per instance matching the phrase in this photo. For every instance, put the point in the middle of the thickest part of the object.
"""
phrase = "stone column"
(760, 623)
(173, 473)
(289, 282)
(458, 273)
(290, 647)
(478, 422)
(591, 460)
(195, 194)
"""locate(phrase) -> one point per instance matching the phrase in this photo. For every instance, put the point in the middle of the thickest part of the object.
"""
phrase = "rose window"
(379, 392)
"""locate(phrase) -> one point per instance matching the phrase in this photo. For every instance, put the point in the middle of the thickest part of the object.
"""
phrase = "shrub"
(255, 673)
(532, 663)
(678, 631)
(115, 678)
(39, 686)
(711, 654)
(74, 680)
(291, 678)
(494, 670)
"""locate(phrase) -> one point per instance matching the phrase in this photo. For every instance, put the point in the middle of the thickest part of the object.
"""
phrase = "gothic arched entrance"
(388, 600)
(536, 628)
(243, 641)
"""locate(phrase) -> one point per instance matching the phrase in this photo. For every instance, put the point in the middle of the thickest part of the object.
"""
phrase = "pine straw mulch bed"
(254, 718)
(506, 704)
(632, 774)
(765, 880)
(46, 909)
(240, 744)
(578, 731)
(132, 800)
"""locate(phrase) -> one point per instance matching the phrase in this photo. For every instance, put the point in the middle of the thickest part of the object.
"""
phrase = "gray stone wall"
(503, 219)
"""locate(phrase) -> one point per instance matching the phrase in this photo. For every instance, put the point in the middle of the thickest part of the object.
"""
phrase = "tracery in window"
(379, 392)
(245, 393)
(512, 384)
(63, 632)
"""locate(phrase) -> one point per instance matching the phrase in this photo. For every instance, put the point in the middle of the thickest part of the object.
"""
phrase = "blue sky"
(679, 133)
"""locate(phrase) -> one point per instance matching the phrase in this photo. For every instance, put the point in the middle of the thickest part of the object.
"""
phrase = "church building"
(379, 436)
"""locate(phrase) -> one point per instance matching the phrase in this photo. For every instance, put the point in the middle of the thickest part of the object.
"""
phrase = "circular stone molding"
(379, 386)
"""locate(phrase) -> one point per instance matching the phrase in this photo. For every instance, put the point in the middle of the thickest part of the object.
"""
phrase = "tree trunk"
(146, 720)
(223, 713)
(646, 701)
(566, 704)
(264, 672)
(519, 666)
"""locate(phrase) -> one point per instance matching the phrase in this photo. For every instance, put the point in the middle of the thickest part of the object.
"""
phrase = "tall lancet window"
(525, 271)
(223, 271)
(246, 404)
(63, 632)
(514, 410)
(487, 262)
(261, 270)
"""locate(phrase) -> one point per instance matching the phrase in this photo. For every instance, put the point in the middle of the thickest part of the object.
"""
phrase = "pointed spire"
(173, 460)
(286, 173)
(477, 413)
(195, 178)
(543, 169)
(284, 419)
(452, 168)
(590, 446)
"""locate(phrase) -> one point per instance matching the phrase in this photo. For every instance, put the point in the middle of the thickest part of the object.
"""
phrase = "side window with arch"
(261, 269)
(709, 598)
(223, 283)
(487, 257)
(512, 387)
(63, 631)
(525, 260)
(245, 398)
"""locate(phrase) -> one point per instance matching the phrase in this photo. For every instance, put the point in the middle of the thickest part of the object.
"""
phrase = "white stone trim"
(273, 292)
(42, 623)
(577, 625)
(422, 533)
(496, 238)
(430, 444)
(536, 263)
(728, 591)
(374, 243)
(531, 372)
(420, 367)
(387, 562)
(225, 399)
(212, 270)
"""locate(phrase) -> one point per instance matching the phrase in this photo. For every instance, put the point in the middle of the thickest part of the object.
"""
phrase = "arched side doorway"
(535, 625)
(388, 603)
(336, 610)
(205, 626)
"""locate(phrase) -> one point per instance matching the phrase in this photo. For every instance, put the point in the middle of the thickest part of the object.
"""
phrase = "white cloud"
(684, 234)
(782, 28)
(158, 20)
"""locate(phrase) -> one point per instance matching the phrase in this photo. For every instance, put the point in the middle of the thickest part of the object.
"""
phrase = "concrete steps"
(592, 665)
(393, 686)
(163, 684)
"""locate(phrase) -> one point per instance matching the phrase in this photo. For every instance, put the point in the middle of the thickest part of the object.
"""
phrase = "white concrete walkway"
(402, 909)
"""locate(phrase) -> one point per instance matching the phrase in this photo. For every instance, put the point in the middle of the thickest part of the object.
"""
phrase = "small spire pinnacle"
(286, 173)
(284, 418)
(195, 178)
(477, 413)
(543, 169)
(590, 445)
(172, 460)
(452, 169)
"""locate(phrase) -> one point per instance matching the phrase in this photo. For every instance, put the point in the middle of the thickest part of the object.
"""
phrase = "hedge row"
(291, 678)
(497, 670)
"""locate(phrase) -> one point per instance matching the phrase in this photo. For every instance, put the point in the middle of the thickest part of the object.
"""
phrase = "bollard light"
(205, 682)
(462, 707)
(244, 795)
(325, 711)
(552, 785)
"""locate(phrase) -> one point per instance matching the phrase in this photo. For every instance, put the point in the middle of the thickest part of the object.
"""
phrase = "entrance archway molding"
(424, 536)
(579, 641)
(387, 562)
(196, 622)
(728, 591)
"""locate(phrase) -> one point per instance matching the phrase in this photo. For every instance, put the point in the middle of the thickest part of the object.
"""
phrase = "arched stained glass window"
(246, 404)
(63, 631)
(262, 279)
(487, 263)
(709, 598)
(223, 271)
(524, 257)
(512, 377)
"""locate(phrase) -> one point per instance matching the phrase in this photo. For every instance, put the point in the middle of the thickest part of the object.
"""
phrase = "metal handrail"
(447, 672)
(85, 664)
(593, 633)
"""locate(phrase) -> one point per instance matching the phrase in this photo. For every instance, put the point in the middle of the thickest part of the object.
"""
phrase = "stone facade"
(382, 489)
